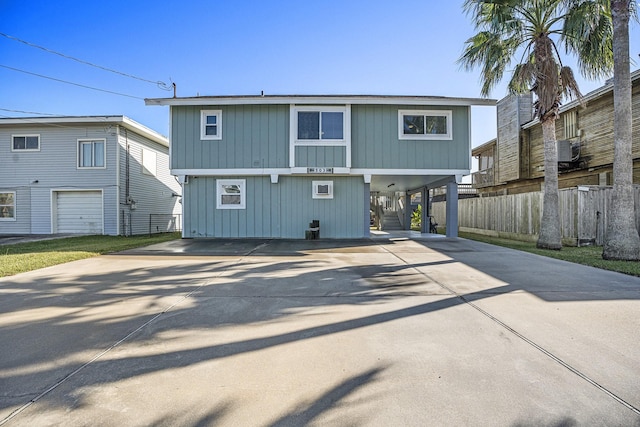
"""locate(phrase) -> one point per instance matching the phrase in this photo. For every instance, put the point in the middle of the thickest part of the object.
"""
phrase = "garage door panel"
(79, 212)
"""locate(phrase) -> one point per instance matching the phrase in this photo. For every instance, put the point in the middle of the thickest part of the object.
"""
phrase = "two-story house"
(514, 161)
(85, 175)
(267, 166)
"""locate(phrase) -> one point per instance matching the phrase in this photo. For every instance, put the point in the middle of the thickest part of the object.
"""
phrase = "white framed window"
(91, 153)
(231, 194)
(7, 205)
(315, 125)
(322, 189)
(149, 162)
(424, 124)
(210, 124)
(25, 142)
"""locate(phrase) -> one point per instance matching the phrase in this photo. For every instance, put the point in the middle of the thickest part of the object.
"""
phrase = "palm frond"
(490, 52)
(588, 33)
(569, 85)
(523, 78)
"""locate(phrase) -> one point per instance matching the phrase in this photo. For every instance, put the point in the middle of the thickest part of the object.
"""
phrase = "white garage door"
(79, 212)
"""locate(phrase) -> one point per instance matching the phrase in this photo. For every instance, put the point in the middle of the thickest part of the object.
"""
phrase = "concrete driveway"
(381, 332)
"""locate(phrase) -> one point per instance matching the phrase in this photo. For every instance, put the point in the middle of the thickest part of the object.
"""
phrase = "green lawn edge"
(23, 257)
(585, 255)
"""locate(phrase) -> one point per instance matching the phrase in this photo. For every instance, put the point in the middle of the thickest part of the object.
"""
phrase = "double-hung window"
(211, 124)
(91, 153)
(25, 143)
(320, 125)
(424, 124)
(7, 206)
(231, 194)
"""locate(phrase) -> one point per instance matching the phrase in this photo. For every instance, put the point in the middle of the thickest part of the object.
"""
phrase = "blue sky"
(224, 47)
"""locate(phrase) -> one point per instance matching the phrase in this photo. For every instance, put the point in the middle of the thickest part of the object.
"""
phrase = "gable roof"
(84, 120)
(320, 100)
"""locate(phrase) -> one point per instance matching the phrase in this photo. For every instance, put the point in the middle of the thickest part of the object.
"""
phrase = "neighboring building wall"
(54, 167)
(153, 190)
(282, 210)
(592, 146)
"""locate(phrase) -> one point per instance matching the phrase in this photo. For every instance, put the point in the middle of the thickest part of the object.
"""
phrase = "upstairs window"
(7, 206)
(211, 124)
(313, 125)
(25, 143)
(424, 124)
(91, 153)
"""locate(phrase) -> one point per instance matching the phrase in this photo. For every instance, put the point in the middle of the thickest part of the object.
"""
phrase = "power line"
(28, 112)
(70, 83)
(160, 84)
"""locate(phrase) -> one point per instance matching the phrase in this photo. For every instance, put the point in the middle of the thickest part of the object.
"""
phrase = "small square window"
(211, 124)
(91, 153)
(231, 194)
(427, 124)
(7, 206)
(322, 189)
(25, 143)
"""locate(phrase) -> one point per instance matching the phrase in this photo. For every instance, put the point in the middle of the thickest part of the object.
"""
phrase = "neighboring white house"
(85, 175)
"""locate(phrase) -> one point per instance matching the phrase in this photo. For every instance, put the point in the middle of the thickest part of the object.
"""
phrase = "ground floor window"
(231, 194)
(7, 205)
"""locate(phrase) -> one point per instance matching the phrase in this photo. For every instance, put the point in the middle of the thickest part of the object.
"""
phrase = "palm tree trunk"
(622, 241)
(550, 236)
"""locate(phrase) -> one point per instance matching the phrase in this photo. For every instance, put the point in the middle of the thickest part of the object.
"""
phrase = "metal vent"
(564, 151)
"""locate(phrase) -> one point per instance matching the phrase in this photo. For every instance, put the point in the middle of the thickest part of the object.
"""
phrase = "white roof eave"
(320, 100)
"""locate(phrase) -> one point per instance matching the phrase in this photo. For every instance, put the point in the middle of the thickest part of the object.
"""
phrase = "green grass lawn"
(23, 257)
(586, 255)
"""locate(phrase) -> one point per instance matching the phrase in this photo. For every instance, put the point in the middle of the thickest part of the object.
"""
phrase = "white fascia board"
(231, 172)
(303, 171)
(322, 100)
(409, 172)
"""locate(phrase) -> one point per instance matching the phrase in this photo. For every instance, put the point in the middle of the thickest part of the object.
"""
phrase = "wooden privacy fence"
(583, 214)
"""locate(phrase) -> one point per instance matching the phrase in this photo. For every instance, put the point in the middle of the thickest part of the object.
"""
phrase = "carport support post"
(407, 211)
(452, 209)
(424, 200)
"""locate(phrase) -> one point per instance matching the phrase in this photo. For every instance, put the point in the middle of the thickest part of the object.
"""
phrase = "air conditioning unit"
(323, 189)
(564, 151)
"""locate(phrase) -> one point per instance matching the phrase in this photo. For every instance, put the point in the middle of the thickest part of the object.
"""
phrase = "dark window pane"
(211, 130)
(32, 143)
(436, 125)
(413, 125)
(230, 200)
(98, 154)
(19, 143)
(332, 125)
(212, 120)
(308, 125)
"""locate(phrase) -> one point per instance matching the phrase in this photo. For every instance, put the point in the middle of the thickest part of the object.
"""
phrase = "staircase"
(390, 221)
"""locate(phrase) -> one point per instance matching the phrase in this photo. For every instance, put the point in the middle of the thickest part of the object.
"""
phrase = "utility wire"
(160, 84)
(28, 112)
(68, 82)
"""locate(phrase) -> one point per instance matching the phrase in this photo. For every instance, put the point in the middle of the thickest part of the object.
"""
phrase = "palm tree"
(533, 30)
(622, 241)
